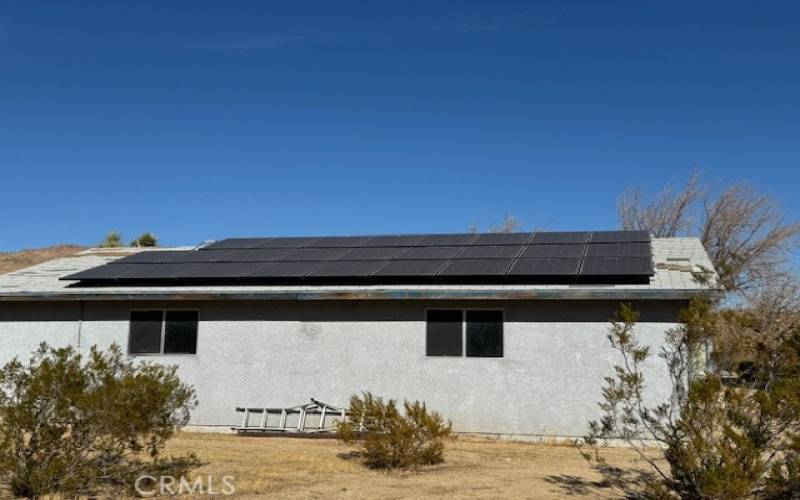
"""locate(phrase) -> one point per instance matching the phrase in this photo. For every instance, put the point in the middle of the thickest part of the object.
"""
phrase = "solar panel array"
(546, 257)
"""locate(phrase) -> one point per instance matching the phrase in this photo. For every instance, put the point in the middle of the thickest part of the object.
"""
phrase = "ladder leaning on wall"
(311, 419)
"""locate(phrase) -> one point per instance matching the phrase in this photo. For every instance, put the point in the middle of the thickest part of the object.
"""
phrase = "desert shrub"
(147, 239)
(71, 425)
(391, 439)
(112, 240)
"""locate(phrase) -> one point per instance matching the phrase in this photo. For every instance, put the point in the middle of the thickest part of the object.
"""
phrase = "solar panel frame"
(477, 267)
(223, 255)
(289, 242)
(411, 268)
(261, 255)
(166, 271)
(620, 237)
(110, 271)
(490, 252)
(326, 254)
(560, 237)
(236, 243)
(295, 269)
(341, 242)
(618, 250)
(347, 269)
(372, 253)
(553, 251)
(429, 253)
(617, 266)
(545, 267)
(399, 240)
(220, 270)
(496, 239)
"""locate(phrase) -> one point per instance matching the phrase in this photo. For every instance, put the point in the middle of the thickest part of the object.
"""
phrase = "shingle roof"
(675, 261)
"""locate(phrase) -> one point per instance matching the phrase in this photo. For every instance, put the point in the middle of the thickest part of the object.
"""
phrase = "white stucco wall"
(281, 353)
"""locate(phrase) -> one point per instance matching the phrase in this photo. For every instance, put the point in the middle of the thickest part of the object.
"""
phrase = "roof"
(675, 260)
(609, 257)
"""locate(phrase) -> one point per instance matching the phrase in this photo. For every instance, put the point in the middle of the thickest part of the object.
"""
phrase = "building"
(502, 333)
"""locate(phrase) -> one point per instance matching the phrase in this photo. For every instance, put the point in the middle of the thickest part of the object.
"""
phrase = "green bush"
(71, 425)
(147, 239)
(390, 439)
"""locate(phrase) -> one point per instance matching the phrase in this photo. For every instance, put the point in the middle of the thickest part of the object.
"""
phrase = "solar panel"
(314, 254)
(503, 239)
(287, 242)
(401, 268)
(343, 269)
(545, 267)
(496, 252)
(108, 271)
(239, 243)
(210, 255)
(152, 257)
(372, 253)
(165, 271)
(261, 254)
(222, 270)
(477, 267)
(285, 269)
(545, 238)
(395, 240)
(534, 251)
(619, 250)
(616, 266)
(620, 237)
(341, 241)
(443, 240)
(428, 253)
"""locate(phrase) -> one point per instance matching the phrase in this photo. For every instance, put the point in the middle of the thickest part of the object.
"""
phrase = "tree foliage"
(113, 240)
(70, 425)
(721, 439)
(745, 232)
(391, 439)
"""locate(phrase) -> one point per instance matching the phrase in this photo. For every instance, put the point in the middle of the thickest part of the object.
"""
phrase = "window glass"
(444, 333)
(145, 332)
(485, 334)
(180, 332)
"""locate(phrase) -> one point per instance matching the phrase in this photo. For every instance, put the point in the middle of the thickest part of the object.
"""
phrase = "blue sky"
(206, 119)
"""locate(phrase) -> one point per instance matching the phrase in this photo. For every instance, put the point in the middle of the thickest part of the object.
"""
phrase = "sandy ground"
(12, 261)
(324, 468)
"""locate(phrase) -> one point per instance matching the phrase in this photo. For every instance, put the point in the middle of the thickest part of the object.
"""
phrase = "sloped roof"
(675, 262)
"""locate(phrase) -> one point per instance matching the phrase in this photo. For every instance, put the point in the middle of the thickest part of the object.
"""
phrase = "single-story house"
(503, 333)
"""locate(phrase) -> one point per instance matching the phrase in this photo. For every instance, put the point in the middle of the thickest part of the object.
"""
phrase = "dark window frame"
(163, 332)
(464, 313)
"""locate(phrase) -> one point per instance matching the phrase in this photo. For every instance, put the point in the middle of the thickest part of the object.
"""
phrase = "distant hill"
(11, 261)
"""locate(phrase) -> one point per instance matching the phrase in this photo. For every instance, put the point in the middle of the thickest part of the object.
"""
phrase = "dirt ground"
(325, 468)
(12, 261)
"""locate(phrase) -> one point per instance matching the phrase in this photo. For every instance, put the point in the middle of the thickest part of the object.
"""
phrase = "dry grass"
(474, 468)
(12, 261)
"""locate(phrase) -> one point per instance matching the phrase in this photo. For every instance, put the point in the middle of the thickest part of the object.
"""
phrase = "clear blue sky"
(205, 119)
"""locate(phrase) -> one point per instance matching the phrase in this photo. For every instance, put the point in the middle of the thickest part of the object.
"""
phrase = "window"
(163, 332)
(472, 333)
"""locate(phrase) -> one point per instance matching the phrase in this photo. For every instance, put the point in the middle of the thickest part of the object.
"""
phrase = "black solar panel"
(553, 251)
(165, 271)
(285, 269)
(400, 268)
(496, 252)
(620, 237)
(503, 239)
(236, 243)
(153, 256)
(108, 272)
(222, 270)
(546, 238)
(428, 253)
(341, 241)
(314, 254)
(619, 250)
(443, 240)
(344, 269)
(372, 253)
(477, 267)
(616, 266)
(545, 267)
(602, 257)
(259, 255)
(396, 240)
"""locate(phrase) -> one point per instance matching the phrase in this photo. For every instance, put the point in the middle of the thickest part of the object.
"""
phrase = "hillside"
(11, 261)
